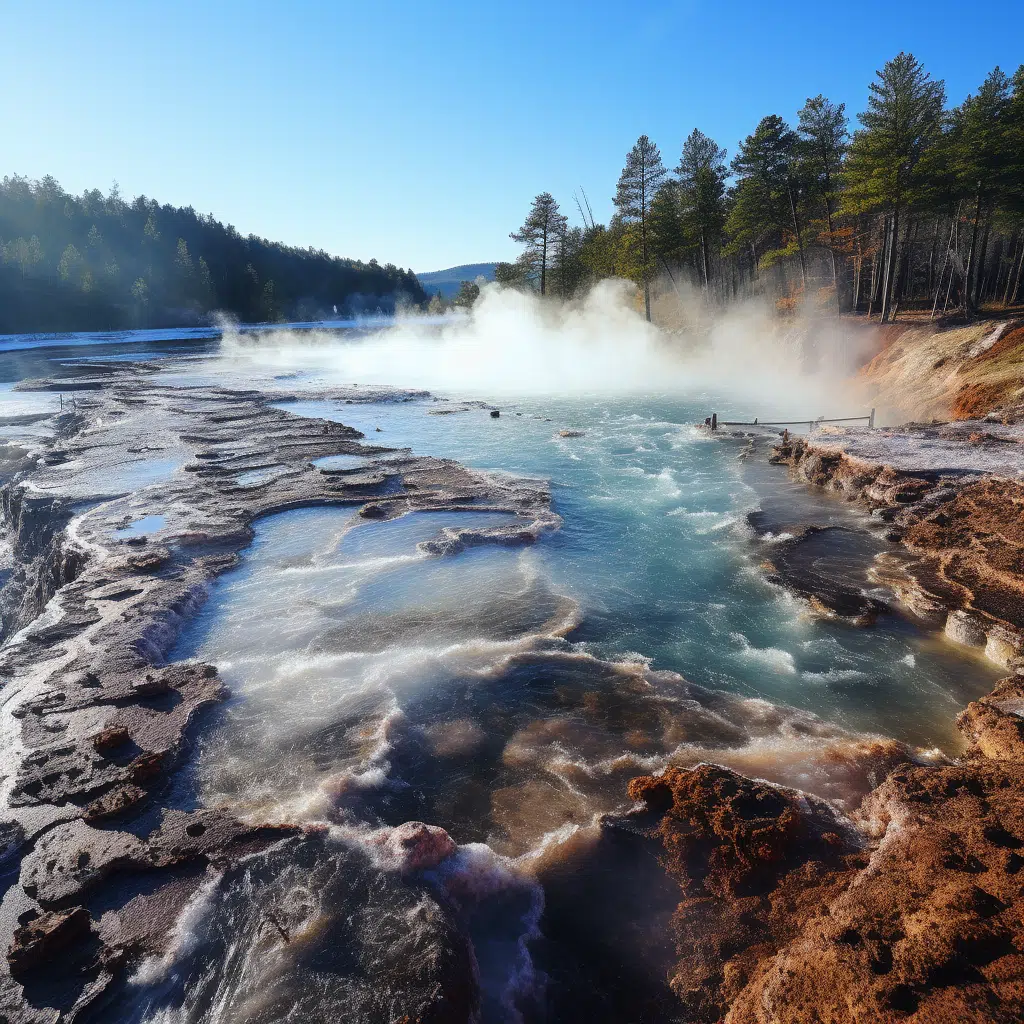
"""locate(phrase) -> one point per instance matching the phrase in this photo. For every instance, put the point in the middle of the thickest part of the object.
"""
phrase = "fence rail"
(713, 422)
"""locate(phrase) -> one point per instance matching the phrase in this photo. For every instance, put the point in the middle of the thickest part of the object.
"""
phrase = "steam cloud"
(513, 343)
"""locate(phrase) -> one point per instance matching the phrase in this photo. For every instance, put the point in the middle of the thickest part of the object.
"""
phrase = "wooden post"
(871, 420)
(714, 421)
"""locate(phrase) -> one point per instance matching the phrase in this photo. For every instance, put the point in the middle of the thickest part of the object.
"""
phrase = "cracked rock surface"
(100, 859)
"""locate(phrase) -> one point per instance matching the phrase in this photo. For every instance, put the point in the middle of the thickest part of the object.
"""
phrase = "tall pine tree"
(823, 134)
(702, 172)
(638, 184)
(540, 233)
(882, 172)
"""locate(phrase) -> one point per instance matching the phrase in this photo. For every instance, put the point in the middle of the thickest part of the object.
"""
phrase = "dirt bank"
(926, 372)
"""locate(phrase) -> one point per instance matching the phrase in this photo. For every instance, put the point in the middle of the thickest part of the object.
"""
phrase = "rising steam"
(513, 343)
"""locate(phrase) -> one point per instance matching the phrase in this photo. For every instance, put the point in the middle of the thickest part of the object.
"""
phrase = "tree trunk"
(969, 276)
(979, 275)
(873, 284)
(1018, 254)
(1016, 283)
(994, 278)
(855, 297)
(891, 234)
(704, 261)
(799, 240)
(931, 255)
(832, 245)
(904, 281)
(643, 268)
(543, 261)
(945, 259)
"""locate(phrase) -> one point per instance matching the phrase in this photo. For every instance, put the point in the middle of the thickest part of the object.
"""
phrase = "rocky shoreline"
(99, 856)
(910, 907)
(754, 903)
(951, 496)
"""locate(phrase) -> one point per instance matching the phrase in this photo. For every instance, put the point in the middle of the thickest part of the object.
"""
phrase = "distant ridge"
(447, 281)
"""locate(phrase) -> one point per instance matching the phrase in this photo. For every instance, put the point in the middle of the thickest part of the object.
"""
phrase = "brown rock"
(994, 724)
(784, 920)
(931, 930)
(36, 943)
(749, 857)
(110, 739)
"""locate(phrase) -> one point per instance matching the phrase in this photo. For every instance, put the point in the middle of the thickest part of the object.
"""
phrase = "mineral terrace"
(100, 855)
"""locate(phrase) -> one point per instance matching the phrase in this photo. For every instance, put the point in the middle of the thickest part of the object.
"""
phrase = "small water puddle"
(341, 462)
(260, 476)
(141, 527)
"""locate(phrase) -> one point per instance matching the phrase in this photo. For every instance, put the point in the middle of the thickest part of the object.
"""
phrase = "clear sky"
(416, 132)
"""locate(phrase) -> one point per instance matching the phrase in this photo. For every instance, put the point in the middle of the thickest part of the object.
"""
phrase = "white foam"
(834, 675)
(774, 658)
(184, 936)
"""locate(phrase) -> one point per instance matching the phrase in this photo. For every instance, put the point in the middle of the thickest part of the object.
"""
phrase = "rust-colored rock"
(931, 930)
(785, 918)
(146, 766)
(967, 539)
(110, 739)
(994, 724)
(752, 860)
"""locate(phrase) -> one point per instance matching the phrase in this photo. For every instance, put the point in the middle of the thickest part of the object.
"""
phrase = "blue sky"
(417, 133)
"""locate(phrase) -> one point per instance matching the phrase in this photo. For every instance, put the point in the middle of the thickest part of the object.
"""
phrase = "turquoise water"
(508, 694)
(368, 677)
(656, 550)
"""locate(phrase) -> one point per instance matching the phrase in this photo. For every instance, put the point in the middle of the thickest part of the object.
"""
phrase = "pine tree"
(539, 235)
(702, 172)
(767, 192)
(882, 172)
(638, 184)
(669, 241)
(981, 158)
(1015, 175)
(823, 132)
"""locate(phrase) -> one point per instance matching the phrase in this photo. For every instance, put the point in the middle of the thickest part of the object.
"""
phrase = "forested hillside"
(95, 262)
(921, 207)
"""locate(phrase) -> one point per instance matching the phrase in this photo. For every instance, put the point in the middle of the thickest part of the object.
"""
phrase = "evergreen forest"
(99, 262)
(917, 206)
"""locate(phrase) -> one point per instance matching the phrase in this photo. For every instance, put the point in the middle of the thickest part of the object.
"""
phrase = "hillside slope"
(926, 373)
(447, 281)
(95, 262)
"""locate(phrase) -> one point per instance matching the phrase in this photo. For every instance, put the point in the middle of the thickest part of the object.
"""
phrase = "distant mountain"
(447, 281)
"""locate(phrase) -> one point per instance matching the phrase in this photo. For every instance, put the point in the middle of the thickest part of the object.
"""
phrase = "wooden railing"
(712, 422)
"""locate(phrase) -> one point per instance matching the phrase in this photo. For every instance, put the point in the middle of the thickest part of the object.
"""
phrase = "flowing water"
(509, 694)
